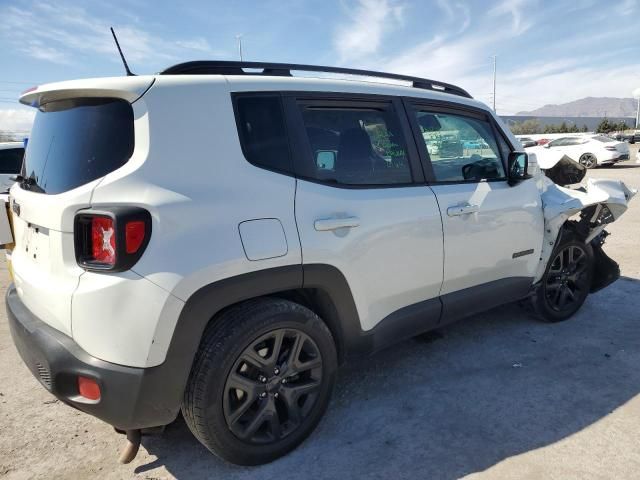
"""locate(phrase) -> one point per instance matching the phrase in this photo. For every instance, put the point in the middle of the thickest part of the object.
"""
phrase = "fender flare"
(328, 283)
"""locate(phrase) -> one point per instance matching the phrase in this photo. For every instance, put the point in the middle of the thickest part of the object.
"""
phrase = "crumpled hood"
(559, 167)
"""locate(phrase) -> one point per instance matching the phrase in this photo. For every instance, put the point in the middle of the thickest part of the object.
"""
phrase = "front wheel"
(261, 380)
(566, 282)
(588, 160)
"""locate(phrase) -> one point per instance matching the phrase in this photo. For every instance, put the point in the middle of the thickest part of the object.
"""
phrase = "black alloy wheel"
(261, 380)
(566, 282)
(272, 386)
(567, 279)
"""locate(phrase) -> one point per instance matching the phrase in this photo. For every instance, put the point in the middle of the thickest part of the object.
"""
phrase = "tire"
(588, 160)
(244, 404)
(567, 277)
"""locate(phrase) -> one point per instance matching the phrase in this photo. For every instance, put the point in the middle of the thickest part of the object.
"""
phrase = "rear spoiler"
(127, 88)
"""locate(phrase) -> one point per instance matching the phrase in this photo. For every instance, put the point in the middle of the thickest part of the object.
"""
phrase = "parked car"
(591, 151)
(527, 142)
(307, 221)
(476, 144)
(11, 154)
(626, 137)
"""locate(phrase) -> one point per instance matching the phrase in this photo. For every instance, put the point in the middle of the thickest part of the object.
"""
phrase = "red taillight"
(112, 239)
(88, 388)
(103, 240)
(134, 235)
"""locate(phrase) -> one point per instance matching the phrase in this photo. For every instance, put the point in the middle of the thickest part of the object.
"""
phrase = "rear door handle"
(464, 209)
(328, 224)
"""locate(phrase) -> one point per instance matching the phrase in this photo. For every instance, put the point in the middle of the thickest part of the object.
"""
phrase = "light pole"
(636, 95)
(494, 84)
(239, 38)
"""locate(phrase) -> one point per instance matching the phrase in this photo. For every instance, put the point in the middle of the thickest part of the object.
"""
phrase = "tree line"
(533, 126)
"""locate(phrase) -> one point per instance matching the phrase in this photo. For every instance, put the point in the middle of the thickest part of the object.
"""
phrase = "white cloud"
(368, 23)
(462, 56)
(18, 120)
(518, 10)
(69, 32)
(456, 12)
(628, 7)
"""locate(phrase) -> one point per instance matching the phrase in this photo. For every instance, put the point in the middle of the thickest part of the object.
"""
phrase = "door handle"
(328, 224)
(463, 209)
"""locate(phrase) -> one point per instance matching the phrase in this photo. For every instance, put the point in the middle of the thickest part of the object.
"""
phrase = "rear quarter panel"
(193, 178)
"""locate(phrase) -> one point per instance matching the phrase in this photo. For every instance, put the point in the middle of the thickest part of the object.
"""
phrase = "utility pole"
(494, 84)
(239, 38)
(636, 95)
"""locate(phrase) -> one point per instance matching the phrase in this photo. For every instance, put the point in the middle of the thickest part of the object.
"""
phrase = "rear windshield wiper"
(28, 183)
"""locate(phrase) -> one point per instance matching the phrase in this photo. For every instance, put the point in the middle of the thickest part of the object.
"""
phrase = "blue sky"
(547, 51)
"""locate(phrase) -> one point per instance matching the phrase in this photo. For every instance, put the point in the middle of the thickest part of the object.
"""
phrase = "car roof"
(7, 145)
(263, 69)
(241, 76)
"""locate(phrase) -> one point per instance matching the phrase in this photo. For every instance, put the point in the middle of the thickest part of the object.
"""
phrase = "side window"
(354, 145)
(11, 160)
(262, 131)
(461, 148)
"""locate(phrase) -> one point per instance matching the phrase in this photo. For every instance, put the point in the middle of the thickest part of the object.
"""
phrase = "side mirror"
(517, 167)
(326, 159)
(547, 145)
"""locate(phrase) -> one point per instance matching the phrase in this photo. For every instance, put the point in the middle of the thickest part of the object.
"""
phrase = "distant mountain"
(588, 107)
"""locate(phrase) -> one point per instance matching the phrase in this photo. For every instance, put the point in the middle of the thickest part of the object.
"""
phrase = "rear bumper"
(620, 158)
(131, 398)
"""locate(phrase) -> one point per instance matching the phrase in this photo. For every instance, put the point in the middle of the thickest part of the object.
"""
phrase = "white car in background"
(11, 154)
(591, 151)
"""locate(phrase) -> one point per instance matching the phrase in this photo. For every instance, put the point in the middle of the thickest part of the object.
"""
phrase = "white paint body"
(215, 216)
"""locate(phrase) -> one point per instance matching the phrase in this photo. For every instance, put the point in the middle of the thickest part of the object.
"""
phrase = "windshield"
(74, 142)
(603, 139)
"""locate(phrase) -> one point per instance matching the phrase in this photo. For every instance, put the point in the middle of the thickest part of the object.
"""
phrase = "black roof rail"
(224, 67)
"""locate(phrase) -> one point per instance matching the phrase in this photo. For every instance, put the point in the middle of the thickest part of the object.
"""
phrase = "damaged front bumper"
(585, 211)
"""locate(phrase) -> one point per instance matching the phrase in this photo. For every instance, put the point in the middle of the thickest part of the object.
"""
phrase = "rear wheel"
(261, 381)
(588, 160)
(566, 282)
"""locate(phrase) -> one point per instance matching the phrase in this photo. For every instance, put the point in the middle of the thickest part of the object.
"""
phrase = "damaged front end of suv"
(578, 211)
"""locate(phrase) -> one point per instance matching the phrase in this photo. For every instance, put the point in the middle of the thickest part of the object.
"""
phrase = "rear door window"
(11, 160)
(355, 144)
(74, 142)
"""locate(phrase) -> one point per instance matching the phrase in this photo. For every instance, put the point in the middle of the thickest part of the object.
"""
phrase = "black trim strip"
(225, 67)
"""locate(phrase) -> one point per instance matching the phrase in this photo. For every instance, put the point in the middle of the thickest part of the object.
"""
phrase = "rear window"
(11, 160)
(74, 142)
(263, 135)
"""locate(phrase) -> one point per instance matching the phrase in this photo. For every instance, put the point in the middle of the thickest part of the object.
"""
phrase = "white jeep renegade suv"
(220, 237)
